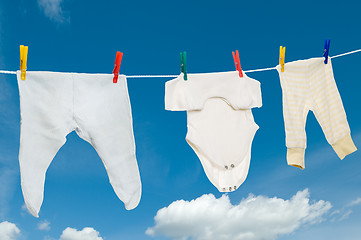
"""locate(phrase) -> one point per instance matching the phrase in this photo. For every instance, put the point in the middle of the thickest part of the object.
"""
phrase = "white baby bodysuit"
(54, 104)
(220, 122)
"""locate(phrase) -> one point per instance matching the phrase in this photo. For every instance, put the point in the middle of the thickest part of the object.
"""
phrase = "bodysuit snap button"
(226, 167)
(230, 188)
(232, 165)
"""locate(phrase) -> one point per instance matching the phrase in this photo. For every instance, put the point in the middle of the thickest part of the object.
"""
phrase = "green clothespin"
(183, 57)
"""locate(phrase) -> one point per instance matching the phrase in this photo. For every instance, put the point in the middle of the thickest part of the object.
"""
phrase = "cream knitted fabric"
(310, 85)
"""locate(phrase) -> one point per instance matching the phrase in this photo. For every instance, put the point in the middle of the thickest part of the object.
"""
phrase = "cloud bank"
(85, 234)
(9, 231)
(254, 218)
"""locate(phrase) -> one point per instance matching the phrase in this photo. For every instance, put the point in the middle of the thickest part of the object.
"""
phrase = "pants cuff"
(296, 157)
(344, 146)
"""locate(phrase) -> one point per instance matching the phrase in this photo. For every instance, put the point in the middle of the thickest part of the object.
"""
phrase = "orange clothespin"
(282, 58)
(118, 61)
(237, 63)
(23, 60)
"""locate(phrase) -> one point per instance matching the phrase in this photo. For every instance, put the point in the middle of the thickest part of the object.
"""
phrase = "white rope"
(344, 54)
(7, 72)
(171, 76)
(260, 70)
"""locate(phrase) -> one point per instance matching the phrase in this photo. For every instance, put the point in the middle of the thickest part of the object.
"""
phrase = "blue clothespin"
(183, 57)
(326, 50)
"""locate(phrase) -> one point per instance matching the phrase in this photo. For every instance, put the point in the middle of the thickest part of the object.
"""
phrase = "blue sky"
(83, 36)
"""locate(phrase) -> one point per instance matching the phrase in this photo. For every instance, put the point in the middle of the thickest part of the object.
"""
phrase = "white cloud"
(254, 218)
(345, 212)
(9, 231)
(340, 215)
(53, 10)
(85, 234)
(345, 215)
(44, 225)
(355, 202)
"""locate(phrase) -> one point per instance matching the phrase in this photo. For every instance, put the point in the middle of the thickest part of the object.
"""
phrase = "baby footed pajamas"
(54, 104)
(310, 85)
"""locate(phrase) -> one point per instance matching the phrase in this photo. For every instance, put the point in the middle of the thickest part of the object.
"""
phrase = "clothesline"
(171, 76)
(344, 54)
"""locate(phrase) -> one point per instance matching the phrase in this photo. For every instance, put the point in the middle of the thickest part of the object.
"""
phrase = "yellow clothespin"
(23, 60)
(282, 58)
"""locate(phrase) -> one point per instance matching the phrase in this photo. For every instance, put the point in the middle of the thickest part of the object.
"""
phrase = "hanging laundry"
(220, 122)
(53, 105)
(310, 85)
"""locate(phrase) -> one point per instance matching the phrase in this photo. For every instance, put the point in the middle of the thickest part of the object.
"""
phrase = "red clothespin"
(118, 61)
(237, 63)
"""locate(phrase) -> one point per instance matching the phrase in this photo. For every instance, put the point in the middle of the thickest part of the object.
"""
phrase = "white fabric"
(53, 105)
(240, 93)
(220, 122)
